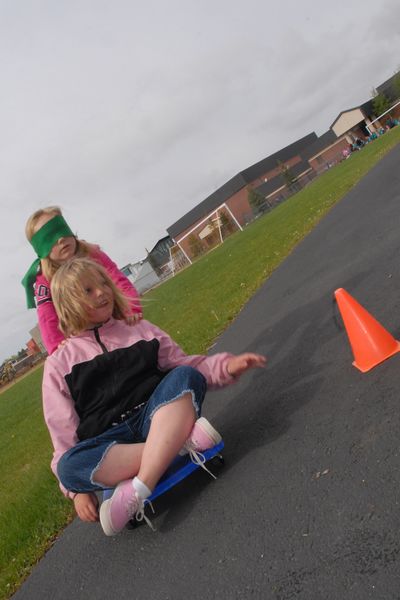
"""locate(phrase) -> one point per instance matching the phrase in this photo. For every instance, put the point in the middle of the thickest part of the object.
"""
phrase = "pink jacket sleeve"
(214, 367)
(60, 416)
(47, 316)
(120, 280)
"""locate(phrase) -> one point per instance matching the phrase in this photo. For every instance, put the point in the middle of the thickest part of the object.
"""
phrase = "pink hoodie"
(47, 316)
(58, 404)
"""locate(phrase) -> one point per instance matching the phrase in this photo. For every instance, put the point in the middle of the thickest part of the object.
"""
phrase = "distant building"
(228, 208)
(159, 256)
(32, 347)
(326, 151)
(22, 365)
(321, 154)
(142, 275)
(360, 121)
(272, 180)
(277, 189)
(37, 338)
(277, 176)
(354, 122)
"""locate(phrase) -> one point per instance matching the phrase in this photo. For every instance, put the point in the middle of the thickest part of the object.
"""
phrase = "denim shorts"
(77, 467)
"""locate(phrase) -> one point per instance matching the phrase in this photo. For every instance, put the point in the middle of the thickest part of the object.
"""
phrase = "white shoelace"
(139, 515)
(198, 459)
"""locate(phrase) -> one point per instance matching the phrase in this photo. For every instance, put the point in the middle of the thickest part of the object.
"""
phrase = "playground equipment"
(7, 373)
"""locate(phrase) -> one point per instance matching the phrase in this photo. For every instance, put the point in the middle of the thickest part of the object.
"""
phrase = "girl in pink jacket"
(120, 402)
(54, 244)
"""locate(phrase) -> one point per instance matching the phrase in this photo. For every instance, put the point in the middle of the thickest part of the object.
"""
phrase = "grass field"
(194, 307)
(32, 509)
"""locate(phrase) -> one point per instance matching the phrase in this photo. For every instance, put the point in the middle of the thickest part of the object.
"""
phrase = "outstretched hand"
(86, 506)
(241, 363)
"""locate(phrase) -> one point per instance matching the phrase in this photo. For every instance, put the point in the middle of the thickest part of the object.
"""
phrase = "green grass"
(194, 307)
(32, 510)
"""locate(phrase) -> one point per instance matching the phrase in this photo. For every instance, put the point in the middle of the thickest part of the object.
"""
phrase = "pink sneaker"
(123, 505)
(202, 437)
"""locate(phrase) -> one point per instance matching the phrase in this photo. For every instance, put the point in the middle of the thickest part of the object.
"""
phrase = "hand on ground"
(86, 506)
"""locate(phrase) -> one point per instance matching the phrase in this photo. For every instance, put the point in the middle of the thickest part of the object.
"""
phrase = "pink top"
(58, 405)
(47, 316)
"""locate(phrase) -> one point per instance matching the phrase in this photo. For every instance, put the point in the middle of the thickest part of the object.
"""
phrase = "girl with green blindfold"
(54, 243)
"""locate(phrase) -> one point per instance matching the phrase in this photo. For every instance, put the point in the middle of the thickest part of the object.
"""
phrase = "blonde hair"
(69, 294)
(49, 266)
(30, 227)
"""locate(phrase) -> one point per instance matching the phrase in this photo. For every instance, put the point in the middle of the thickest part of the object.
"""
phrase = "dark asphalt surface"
(270, 527)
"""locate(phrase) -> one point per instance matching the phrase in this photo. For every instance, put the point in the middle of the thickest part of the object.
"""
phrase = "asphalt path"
(307, 504)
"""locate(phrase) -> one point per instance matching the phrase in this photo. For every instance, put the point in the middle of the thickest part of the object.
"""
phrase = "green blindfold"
(42, 242)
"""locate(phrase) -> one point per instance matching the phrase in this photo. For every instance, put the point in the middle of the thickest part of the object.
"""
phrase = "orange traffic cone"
(370, 342)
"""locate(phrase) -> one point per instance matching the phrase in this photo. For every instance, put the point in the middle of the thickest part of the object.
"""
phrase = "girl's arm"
(219, 369)
(47, 316)
(59, 414)
(120, 280)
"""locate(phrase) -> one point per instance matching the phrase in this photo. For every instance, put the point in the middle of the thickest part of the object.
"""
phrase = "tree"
(287, 174)
(396, 84)
(256, 200)
(380, 103)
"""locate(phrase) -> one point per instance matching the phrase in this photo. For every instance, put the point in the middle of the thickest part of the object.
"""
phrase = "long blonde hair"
(49, 266)
(69, 296)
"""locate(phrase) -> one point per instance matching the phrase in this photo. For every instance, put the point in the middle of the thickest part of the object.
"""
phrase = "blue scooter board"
(180, 468)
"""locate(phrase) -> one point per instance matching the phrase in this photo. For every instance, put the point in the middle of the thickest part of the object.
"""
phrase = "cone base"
(364, 368)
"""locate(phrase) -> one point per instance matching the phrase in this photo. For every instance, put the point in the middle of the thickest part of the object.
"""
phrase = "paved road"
(270, 527)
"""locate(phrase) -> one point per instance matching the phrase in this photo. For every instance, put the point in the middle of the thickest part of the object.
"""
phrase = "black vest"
(112, 383)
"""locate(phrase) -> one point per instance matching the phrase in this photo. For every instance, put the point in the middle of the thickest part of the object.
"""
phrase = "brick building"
(228, 208)
(278, 176)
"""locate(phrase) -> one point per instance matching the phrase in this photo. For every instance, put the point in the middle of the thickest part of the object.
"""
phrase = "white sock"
(141, 488)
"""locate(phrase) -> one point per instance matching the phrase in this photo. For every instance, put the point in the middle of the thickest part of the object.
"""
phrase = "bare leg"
(121, 462)
(170, 428)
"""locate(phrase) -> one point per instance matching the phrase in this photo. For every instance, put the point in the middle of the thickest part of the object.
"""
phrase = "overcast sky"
(127, 114)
